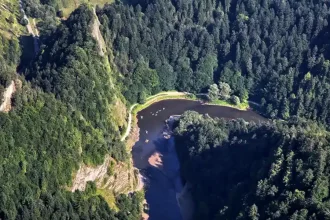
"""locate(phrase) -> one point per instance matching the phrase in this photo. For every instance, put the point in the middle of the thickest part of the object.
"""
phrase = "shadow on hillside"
(28, 53)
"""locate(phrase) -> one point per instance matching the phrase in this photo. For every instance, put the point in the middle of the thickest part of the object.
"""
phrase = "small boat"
(146, 132)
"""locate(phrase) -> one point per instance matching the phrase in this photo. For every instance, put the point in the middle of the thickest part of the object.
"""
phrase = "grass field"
(162, 96)
(9, 17)
(69, 5)
(109, 197)
(242, 106)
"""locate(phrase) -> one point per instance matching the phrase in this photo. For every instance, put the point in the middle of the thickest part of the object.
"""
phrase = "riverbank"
(243, 106)
(163, 96)
(134, 109)
(154, 154)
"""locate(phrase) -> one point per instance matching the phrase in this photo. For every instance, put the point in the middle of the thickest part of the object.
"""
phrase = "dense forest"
(240, 170)
(64, 109)
(274, 52)
(9, 57)
(62, 115)
(70, 68)
(271, 52)
(40, 143)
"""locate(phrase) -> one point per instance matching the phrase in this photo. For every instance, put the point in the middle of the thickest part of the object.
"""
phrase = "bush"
(235, 100)
(23, 21)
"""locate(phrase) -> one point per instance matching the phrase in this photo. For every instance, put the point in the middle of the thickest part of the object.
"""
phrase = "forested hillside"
(275, 52)
(71, 69)
(242, 170)
(42, 144)
(63, 117)
(9, 56)
(70, 105)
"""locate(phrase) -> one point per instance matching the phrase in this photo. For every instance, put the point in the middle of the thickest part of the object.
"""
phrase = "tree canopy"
(241, 170)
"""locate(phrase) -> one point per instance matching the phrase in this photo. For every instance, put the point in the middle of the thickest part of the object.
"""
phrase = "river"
(155, 156)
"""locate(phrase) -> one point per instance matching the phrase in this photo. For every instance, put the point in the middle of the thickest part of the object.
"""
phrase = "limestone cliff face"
(117, 177)
(6, 100)
(86, 173)
(96, 33)
(5, 105)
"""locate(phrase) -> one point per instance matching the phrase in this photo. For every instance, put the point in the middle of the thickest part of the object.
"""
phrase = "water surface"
(163, 182)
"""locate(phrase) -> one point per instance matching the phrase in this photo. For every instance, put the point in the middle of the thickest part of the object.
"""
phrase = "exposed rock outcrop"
(86, 173)
(7, 95)
(117, 177)
(96, 33)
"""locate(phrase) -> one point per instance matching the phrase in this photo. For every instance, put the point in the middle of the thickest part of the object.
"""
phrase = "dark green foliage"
(9, 57)
(262, 49)
(71, 68)
(130, 206)
(274, 52)
(60, 121)
(144, 83)
(44, 11)
(41, 141)
(255, 171)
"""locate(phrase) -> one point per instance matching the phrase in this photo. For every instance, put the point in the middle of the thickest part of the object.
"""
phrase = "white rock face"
(123, 180)
(6, 100)
(86, 174)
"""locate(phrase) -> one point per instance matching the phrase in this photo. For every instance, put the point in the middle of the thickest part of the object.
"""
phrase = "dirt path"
(129, 125)
(6, 101)
(35, 27)
(30, 29)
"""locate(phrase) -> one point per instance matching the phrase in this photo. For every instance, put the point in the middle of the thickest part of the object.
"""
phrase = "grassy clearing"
(9, 17)
(242, 106)
(109, 197)
(162, 96)
(70, 6)
(186, 96)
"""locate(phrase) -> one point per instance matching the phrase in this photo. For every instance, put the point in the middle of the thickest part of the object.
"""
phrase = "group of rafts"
(154, 114)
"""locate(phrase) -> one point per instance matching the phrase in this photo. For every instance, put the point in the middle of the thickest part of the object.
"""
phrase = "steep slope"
(10, 19)
(51, 131)
(96, 33)
(7, 96)
(81, 78)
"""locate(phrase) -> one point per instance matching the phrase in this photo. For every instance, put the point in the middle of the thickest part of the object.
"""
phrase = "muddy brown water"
(163, 183)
